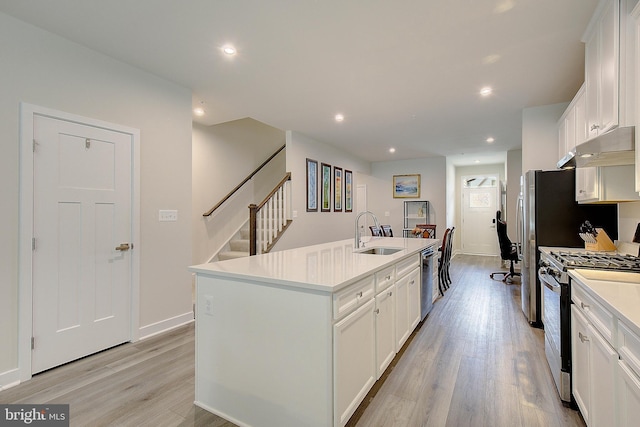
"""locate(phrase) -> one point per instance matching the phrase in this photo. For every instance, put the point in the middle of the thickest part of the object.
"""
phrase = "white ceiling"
(405, 73)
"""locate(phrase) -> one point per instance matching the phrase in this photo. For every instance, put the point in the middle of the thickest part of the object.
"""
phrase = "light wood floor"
(474, 361)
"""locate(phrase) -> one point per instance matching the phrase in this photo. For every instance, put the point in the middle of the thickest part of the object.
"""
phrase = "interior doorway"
(480, 200)
(79, 211)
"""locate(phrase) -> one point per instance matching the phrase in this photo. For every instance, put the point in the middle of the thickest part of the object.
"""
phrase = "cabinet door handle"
(584, 306)
(359, 294)
(412, 282)
(583, 337)
(594, 127)
(390, 293)
(388, 278)
(124, 247)
(376, 311)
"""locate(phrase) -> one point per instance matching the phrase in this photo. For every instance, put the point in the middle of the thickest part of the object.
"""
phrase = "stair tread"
(232, 254)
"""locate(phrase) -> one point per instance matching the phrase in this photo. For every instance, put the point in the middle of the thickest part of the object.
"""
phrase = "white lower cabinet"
(628, 405)
(414, 299)
(354, 360)
(385, 329)
(402, 312)
(628, 377)
(407, 306)
(593, 367)
(580, 352)
(604, 363)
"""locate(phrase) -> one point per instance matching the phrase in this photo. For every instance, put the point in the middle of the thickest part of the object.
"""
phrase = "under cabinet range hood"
(613, 148)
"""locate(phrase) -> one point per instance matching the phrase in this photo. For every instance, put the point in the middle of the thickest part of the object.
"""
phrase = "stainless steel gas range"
(556, 284)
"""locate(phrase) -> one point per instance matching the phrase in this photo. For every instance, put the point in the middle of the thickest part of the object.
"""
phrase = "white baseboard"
(165, 325)
(9, 379)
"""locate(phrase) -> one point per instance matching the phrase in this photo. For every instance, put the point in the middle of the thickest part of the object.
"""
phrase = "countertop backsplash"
(628, 220)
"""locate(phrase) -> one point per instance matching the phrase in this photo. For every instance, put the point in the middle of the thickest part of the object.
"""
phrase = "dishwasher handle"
(548, 280)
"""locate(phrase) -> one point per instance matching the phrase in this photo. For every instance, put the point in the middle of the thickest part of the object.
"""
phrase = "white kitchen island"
(298, 337)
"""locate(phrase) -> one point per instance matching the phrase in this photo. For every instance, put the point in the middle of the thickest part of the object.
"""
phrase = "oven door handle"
(549, 281)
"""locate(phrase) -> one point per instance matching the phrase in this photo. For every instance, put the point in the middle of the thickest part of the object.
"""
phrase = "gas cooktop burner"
(607, 261)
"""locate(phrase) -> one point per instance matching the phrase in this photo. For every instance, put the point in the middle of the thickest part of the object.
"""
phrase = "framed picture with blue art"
(348, 191)
(337, 189)
(325, 187)
(312, 185)
(406, 186)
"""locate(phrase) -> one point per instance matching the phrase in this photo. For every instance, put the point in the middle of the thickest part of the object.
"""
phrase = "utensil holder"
(603, 242)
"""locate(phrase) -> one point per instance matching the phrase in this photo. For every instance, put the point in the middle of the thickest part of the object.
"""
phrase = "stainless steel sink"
(377, 251)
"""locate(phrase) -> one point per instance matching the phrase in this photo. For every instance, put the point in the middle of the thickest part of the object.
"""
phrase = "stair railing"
(232, 192)
(269, 219)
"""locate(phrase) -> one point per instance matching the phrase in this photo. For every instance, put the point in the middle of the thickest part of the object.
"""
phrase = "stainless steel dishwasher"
(426, 291)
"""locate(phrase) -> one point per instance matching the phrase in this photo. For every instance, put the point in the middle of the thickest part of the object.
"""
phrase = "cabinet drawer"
(599, 316)
(406, 265)
(629, 347)
(351, 297)
(385, 278)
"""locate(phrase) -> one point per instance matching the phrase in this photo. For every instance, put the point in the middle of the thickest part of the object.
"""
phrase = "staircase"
(267, 220)
(238, 246)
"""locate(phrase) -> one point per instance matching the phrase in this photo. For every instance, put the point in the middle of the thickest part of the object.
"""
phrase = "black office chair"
(444, 261)
(508, 250)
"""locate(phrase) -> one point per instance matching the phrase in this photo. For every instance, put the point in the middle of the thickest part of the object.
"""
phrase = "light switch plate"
(167, 215)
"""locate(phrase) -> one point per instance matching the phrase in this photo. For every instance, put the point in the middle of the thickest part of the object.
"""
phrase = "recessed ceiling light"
(339, 118)
(490, 139)
(198, 111)
(392, 150)
(477, 161)
(491, 59)
(229, 50)
(486, 91)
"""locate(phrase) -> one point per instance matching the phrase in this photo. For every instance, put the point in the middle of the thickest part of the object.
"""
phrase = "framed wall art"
(406, 186)
(348, 191)
(325, 185)
(337, 189)
(312, 185)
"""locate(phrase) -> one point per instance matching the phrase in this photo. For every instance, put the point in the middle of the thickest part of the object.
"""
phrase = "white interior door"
(82, 217)
(479, 205)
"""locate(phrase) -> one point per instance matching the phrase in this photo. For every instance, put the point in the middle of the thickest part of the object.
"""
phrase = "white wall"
(45, 70)
(540, 136)
(628, 220)
(223, 156)
(432, 182)
(514, 172)
(309, 228)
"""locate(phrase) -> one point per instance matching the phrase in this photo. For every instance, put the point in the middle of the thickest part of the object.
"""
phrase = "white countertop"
(324, 267)
(619, 292)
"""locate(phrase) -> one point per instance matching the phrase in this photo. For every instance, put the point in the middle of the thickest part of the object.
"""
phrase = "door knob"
(124, 247)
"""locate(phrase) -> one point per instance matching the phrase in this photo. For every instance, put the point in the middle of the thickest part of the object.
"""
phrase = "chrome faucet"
(357, 233)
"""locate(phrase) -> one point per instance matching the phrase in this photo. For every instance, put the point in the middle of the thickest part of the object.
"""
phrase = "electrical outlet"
(208, 305)
(167, 215)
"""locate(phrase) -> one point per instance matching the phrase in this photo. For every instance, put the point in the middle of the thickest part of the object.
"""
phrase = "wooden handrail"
(286, 178)
(232, 192)
(253, 215)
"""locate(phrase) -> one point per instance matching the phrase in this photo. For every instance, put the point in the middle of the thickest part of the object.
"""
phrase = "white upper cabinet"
(572, 126)
(602, 59)
(580, 107)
